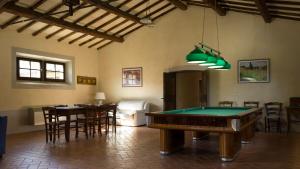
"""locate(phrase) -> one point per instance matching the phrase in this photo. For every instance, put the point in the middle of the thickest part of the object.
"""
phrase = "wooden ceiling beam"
(24, 12)
(287, 8)
(75, 22)
(86, 25)
(239, 8)
(56, 7)
(114, 10)
(216, 7)
(285, 13)
(4, 2)
(243, 11)
(262, 7)
(37, 32)
(109, 22)
(179, 4)
(14, 19)
(283, 2)
(93, 21)
(138, 27)
(119, 31)
(286, 17)
(149, 7)
(237, 3)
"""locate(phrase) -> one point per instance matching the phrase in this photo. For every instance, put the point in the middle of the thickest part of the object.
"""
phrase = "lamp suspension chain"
(205, 55)
(217, 26)
(203, 25)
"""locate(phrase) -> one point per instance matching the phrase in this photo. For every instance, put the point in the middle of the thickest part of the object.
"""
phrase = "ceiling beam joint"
(216, 7)
(262, 7)
(179, 4)
(113, 10)
(37, 16)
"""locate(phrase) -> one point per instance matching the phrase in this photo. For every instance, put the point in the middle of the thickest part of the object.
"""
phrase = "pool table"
(234, 126)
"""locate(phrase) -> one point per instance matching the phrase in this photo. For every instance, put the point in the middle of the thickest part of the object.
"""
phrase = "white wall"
(15, 102)
(242, 36)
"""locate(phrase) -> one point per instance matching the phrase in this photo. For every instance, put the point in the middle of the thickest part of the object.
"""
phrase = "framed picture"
(132, 77)
(86, 80)
(254, 71)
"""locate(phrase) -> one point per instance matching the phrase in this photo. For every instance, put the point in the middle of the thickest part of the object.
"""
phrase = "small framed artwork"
(254, 71)
(132, 77)
(86, 80)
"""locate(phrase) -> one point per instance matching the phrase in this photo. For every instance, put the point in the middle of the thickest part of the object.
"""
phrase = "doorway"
(185, 89)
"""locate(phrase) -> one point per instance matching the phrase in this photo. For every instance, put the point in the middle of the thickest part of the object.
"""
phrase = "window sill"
(42, 85)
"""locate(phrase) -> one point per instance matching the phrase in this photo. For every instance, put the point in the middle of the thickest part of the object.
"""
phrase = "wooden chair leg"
(269, 126)
(76, 128)
(58, 131)
(54, 134)
(86, 130)
(50, 130)
(265, 124)
(279, 125)
(47, 133)
(107, 124)
(94, 130)
(99, 126)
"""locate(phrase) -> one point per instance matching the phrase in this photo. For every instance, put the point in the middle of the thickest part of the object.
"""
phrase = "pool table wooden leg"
(171, 140)
(229, 145)
(247, 134)
(199, 135)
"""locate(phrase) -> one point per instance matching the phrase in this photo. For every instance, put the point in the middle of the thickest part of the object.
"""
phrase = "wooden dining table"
(75, 110)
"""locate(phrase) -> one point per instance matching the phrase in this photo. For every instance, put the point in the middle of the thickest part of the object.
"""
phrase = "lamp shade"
(227, 66)
(219, 64)
(211, 60)
(196, 56)
(100, 96)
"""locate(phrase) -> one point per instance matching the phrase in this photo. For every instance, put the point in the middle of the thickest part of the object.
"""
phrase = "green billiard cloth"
(214, 111)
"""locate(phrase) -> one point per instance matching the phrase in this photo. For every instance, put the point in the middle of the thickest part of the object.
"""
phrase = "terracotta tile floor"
(138, 148)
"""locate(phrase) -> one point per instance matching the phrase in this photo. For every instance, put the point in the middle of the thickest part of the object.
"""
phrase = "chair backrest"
(273, 108)
(251, 104)
(50, 115)
(295, 102)
(81, 105)
(90, 111)
(61, 105)
(226, 103)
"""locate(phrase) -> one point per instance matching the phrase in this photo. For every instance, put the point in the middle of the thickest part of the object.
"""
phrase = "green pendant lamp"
(227, 66)
(211, 60)
(196, 56)
(219, 64)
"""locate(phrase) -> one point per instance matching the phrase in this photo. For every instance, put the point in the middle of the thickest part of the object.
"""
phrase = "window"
(54, 71)
(29, 69)
(39, 70)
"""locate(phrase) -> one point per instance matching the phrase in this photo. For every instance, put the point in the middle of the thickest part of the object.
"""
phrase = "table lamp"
(100, 96)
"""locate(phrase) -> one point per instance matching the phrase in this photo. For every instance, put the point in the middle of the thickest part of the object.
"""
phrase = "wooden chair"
(102, 121)
(273, 115)
(62, 119)
(88, 121)
(293, 112)
(226, 103)
(251, 104)
(52, 124)
(110, 110)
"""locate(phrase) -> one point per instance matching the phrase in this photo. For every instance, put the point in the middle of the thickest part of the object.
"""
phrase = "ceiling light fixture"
(71, 4)
(207, 56)
(147, 19)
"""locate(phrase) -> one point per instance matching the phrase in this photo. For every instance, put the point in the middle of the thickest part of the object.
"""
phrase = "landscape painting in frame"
(132, 77)
(254, 71)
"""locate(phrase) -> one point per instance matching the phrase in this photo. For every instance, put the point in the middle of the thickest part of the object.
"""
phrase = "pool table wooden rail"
(232, 130)
(244, 113)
